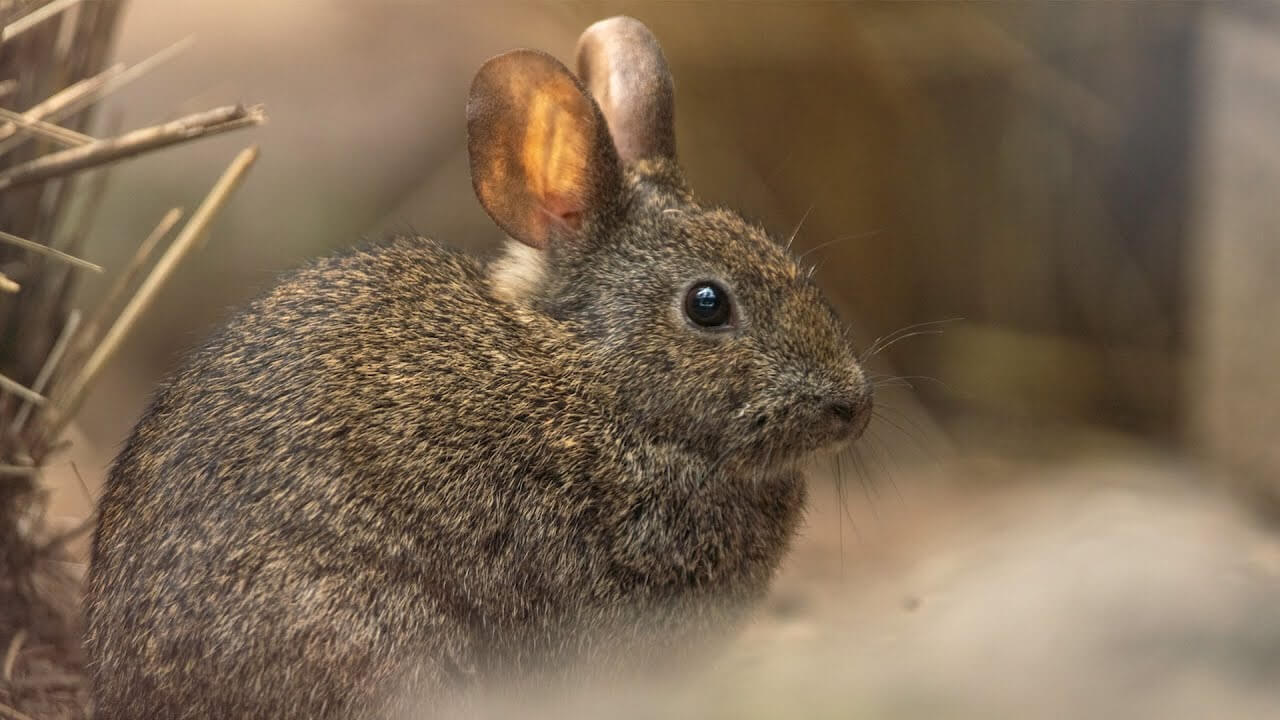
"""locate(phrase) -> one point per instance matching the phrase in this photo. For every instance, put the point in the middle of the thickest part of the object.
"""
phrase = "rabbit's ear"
(622, 63)
(542, 162)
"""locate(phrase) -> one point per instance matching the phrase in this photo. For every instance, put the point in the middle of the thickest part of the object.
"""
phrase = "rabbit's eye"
(707, 304)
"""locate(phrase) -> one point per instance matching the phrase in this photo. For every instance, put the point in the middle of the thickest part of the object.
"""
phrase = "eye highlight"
(707, 305)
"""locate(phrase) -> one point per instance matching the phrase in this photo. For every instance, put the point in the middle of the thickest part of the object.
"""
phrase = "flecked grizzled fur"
(404, 471)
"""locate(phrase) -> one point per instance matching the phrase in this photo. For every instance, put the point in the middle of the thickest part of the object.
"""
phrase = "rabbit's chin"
(832, 449)
(790, 457)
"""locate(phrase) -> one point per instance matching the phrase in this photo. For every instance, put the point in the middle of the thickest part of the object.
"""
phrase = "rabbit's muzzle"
(840, 416)
(848, 414)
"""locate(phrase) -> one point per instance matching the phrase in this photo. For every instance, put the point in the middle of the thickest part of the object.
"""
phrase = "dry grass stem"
(35, 17)
(56, 133)
(58, 102)
(140, 68)
(191, 127)
(88, 91)
(47, 251)
(46, 371)
(13, 386)
(182, 245)
(126, 278)
(115, 78)
(94, 195)
(11, 655)
(50, 78)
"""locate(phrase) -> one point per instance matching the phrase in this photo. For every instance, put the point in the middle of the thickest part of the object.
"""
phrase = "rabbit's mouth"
(795, 433)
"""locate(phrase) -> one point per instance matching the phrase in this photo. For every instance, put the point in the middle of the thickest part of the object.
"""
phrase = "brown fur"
(404, 471)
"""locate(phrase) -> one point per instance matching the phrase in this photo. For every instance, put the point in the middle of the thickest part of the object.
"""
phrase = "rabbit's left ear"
(542, 162)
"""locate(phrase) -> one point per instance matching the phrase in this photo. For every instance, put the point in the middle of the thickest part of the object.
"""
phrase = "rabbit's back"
(321, 448)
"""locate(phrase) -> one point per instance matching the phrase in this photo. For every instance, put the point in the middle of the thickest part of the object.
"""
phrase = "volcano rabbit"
(405, 472)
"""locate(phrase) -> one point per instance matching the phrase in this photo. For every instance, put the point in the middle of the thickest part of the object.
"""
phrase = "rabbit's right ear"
(621, 61)
(542, 161)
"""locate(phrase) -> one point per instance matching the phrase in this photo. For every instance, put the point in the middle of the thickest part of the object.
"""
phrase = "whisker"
(864, 476)
(927, 378)
(891, 382)
(832, 241)
(835, 481)
(893, 336)
(842, 492)
(900, 338)
(916, 439)
(905, 417)
(799, 225)
(882, 452)
(904, 382)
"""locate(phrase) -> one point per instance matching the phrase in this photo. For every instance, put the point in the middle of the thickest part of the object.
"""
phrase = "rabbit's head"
(710, 332)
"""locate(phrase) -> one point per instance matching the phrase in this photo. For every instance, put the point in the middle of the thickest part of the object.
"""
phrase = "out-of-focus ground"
(1067, 518)
(1112, 589)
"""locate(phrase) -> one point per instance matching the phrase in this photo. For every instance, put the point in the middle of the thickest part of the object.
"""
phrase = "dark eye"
(707, 304)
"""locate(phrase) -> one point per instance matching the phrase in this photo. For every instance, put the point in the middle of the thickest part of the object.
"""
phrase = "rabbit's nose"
(841, 410)
(849, 412)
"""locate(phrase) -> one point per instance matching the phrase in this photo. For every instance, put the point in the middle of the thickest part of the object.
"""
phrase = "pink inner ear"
(566, 210)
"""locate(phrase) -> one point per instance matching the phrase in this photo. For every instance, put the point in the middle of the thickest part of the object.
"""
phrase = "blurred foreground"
(981, 587)
(1113, 589)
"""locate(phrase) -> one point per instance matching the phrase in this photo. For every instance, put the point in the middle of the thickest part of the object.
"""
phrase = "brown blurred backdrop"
(1025, 167)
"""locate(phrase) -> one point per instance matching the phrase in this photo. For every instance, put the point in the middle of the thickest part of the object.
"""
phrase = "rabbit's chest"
(689, 527)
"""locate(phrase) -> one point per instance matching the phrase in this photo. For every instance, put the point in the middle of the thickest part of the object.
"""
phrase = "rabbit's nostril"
(841, 410)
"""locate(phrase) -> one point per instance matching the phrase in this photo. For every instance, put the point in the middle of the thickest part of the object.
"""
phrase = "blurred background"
(1087, 185)
(1087, 192)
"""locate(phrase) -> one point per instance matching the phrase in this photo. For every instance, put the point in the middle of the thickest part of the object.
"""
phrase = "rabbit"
(406, 472)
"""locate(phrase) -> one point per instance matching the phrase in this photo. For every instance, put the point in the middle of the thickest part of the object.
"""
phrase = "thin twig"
(16, 471)
(88, 91)
(8, 285)
(8, 86)
(133, 72)
(11, 655)
(75, 239)
(63, 136)
(182, 245)
(33, 18)
(21, 390)
(126, 278)
(191, 127)
(61, 100)
(47, 251)
(123, 77)
(46, 371)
